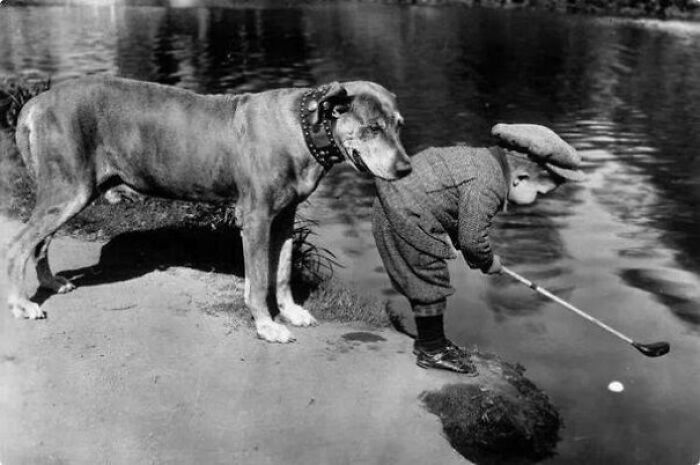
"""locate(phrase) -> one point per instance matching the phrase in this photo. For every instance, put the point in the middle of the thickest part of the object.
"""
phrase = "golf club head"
(655, 349)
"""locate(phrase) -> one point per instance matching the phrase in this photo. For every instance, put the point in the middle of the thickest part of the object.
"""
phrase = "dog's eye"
(370, 130)
(374, 128)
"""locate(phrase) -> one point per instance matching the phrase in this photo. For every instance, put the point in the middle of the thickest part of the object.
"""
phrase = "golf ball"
(616, 386)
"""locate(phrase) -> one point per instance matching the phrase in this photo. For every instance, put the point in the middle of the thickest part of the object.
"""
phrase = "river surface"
(623, 245)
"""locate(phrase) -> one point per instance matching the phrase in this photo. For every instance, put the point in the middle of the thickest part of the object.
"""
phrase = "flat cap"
(542, 145)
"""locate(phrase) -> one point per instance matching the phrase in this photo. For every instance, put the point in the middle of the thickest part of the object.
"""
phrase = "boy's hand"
(496, 267)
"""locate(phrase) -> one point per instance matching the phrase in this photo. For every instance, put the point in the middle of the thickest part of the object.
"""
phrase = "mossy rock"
(499, 417)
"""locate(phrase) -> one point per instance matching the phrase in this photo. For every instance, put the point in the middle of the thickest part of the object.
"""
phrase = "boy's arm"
(478, 204)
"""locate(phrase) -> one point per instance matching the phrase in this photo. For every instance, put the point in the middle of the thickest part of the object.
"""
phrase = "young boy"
(452, 195)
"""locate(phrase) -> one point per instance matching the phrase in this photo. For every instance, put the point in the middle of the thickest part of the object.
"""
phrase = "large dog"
(265, 152)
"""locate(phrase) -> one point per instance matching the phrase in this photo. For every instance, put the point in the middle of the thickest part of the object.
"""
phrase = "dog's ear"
(334, 103)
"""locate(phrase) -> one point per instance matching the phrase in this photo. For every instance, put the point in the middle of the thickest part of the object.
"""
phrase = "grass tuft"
(334, 301)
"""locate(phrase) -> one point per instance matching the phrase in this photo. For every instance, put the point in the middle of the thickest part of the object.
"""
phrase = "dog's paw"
(23, 308)
(274, 332)
(122, 193)
(296, 315)
(59, 285)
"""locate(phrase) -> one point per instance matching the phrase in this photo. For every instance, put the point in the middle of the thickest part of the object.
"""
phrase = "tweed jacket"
(452, 194)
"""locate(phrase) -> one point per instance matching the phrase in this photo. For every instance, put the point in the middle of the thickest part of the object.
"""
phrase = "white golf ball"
(616, 386)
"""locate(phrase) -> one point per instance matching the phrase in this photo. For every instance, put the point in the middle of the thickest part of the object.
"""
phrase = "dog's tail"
(14, 140)
(15, 185)
(14, 93)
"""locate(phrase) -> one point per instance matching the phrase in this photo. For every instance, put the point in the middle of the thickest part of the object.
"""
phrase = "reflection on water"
(623, 245)
(528, 236)
(679, 291)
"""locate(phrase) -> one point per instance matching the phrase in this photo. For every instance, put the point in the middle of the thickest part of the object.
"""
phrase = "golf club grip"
(546, 293)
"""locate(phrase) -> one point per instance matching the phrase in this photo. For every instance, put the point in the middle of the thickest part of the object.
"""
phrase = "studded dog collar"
(316, 125)
(318, 131)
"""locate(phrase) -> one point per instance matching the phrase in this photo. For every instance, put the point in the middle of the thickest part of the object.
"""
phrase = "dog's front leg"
(259, 280)
(283, 238)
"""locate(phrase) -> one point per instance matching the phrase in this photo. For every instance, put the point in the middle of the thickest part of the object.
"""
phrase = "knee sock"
(431, 332)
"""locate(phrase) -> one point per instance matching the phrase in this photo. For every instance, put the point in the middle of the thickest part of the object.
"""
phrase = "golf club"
(655, 349)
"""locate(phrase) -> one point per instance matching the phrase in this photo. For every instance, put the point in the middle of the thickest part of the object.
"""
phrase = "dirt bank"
(150, 365)
(142, 371)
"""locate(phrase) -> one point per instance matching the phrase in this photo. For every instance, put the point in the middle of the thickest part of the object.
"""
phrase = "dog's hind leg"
(260, 283)
(47, 279)
(51, 212)
(282, 240)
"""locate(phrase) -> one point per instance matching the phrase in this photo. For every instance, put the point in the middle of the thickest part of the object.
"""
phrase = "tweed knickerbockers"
(422, 278)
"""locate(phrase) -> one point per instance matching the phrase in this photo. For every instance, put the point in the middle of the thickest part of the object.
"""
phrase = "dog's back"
(158, 139)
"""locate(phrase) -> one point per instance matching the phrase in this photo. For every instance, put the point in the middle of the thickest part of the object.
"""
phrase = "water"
(624, 245)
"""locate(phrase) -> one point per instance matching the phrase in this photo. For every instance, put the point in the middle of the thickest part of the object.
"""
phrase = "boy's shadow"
(133, 254)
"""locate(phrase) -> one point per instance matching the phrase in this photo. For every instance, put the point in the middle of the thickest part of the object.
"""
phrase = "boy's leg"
(432, 348)
(425, 281)
(429, 324)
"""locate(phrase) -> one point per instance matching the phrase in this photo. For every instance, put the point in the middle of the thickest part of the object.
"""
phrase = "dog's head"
(366, 124)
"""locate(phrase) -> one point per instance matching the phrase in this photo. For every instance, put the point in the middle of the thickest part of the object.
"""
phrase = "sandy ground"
(135, 372)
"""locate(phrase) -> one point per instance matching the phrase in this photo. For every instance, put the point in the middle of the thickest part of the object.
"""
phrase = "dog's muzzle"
(353, 156)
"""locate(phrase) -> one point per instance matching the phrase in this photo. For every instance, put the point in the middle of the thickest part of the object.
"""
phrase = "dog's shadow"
(133, 254)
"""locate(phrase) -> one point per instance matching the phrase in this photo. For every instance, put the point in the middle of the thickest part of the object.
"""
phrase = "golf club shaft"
(564, 303)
